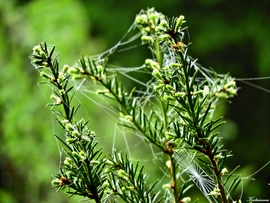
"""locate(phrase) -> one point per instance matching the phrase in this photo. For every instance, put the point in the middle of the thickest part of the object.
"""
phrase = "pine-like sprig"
(178, 116)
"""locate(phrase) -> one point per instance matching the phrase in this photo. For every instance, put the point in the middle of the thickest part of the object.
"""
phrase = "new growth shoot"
(172, 113)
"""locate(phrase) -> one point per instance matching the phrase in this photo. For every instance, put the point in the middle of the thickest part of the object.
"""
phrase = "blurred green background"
(229, 36)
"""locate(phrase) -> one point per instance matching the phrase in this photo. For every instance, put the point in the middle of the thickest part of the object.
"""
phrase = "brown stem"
(173, 178)
(217, 174)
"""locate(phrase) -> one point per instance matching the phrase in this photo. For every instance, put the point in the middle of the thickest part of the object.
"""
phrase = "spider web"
(133, 142)
(203, 181)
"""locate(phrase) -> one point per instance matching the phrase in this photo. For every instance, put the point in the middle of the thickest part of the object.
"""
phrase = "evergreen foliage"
(175, 115)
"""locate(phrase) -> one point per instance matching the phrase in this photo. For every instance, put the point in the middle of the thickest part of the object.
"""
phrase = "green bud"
(92, 134)
(164, 37)
(73, 70)
(166, 186)
(153, 64)
(77, 77)
(157, 74)
(45, 75)
(75, 154)
(232, 91)
(43, 55)
(154, 18)
(100, 68)
(170, 88)
(159, 29)
(102, 91)
(180, 94)
(166, 68)
(106, 184)
(86, 138)
(131, 188)
(75, 133)
(147, 39)
(68, 162)
(94, 162)
(215, 192)
(181, 46)
(128, 118)
(109, 162)
(141, 19)
(206, 90)
(159, 86)
(55, 182)
(230, 84)
(218, 157)
(198, 92)
(70, 140)
(168, 98)
(65, 68)
(175, 65)
(69, 127)
(179, 22)
(56, 99)
(37, 49)
(221, 95)
(164, 24)
(62, 92)
(65, 121)
(123, 174)
(223, 171)
(83, 155)
(60, 78)
(186, 200)
(146, 30)
(169, 163)
(45, 64)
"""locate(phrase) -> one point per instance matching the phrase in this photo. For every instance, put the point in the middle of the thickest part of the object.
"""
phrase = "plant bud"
(168, 97)
(175, 65)
(179, 22)
(157, 74)
(55, 182)
(164, 37)
(75, 133)
(168, 163)
(37, 50)
(164, 24)
(43, 55)
(180, 94)
(159, 86)
(166, 186)
(170, 88)
(186, 200)
(141, 19)
(123, 174)
(65, 68)
(45, 75)
(223, 171)
(100, 68)
(73, 70)
(147, 39)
